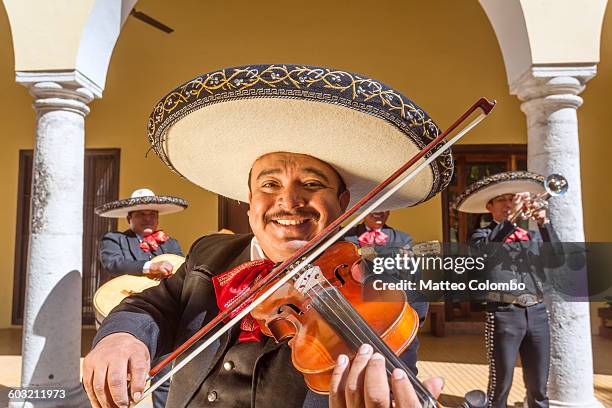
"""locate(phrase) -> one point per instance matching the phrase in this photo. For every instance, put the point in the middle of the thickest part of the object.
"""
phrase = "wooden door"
(473, 162)
(101, 186)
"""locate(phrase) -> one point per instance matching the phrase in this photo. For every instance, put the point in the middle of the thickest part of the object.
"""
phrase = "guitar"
(115, 290)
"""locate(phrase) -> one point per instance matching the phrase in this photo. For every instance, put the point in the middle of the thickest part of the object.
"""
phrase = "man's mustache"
(301, 212)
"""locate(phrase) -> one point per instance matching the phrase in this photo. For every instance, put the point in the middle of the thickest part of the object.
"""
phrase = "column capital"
(60, 96)
(552, 87)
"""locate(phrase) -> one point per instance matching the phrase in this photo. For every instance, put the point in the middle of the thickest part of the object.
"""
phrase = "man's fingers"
(375, 385)
(117, 383)
(338, 383)
(403, 392)
(354, 382)
(88, 385)
(99, 387)
(434, 385)
(138, 369)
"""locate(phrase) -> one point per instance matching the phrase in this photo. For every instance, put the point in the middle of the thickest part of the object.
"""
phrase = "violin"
(314, 298)
(324, 314)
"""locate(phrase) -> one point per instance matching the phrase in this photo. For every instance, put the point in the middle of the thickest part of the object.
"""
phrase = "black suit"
(165, 316)
(512, 329)
(121, 255)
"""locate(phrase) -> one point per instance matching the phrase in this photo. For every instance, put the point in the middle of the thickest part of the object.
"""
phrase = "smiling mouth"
(285, 222)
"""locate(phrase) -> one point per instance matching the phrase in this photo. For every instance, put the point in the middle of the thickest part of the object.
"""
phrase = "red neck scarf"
(152, 240)
(518, 235)
(373, 237)
(232, 284)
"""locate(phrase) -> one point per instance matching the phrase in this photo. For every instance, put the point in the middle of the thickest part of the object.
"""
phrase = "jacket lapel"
(195, 373)
(133, 244)
(187, 382)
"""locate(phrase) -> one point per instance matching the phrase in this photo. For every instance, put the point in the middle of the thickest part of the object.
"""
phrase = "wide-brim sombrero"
(476, 196)
(141, 200)
(211, 129)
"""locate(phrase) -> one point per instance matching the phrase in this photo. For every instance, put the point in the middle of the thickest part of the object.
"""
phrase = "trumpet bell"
(556, 185)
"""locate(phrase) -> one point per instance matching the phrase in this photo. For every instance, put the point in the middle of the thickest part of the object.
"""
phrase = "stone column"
(52, 318)
(550, 100)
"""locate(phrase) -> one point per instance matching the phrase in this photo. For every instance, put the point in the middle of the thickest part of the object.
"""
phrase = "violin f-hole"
(284, 325)
(338, 271)
(283, 309)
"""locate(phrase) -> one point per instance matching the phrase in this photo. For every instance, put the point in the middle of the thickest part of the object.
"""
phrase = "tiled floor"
(459, 359)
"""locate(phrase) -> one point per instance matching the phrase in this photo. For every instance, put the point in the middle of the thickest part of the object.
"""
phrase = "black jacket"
(522, 261)
(121, 255)
(165, 316)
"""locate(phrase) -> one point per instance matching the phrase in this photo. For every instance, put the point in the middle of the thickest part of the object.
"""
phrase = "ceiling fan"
(151, 21)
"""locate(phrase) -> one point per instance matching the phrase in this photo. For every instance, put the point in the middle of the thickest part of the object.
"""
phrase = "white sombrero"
(141, 200)
(476, 196)
(211, 129)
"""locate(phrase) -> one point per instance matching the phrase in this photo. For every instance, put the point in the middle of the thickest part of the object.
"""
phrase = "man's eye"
(313, 184)
(268, 184)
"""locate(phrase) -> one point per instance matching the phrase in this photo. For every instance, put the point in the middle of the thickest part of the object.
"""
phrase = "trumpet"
(555, 185)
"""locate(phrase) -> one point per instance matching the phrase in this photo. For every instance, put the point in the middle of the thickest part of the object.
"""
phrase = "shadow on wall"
(4, 395)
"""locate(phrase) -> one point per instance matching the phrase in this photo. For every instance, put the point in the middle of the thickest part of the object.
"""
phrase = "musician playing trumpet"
(517, 321)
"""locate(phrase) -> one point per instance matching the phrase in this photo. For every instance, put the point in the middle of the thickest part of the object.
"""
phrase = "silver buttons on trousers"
(228, 365)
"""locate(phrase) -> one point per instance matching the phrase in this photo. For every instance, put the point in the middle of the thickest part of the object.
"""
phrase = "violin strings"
(365, 339)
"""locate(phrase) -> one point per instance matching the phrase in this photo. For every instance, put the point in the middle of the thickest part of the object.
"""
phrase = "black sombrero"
(211, 129)
(141, 200)
(476, 196)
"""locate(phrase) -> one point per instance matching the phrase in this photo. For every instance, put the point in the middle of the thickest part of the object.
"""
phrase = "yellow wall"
(442, 54)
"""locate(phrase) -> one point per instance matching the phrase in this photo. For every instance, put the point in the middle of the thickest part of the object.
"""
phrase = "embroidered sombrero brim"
(211, 129)
(121, 208)
(476, 196)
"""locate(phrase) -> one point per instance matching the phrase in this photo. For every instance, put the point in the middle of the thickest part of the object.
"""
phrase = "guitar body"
(115, 290)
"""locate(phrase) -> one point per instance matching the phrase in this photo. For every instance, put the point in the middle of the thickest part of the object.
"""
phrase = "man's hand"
(541, 216)
(159, 270)
(520, 202)
(117, 358)
(364, 383)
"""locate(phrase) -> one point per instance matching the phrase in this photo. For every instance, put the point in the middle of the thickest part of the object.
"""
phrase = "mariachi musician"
(517, 320)
(132, 251)
(289, 141)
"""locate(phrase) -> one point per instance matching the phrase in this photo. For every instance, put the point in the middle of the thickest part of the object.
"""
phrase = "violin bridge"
(310, 278)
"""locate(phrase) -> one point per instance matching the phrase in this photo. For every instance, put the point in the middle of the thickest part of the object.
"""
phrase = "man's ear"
(344, 199)
(128, 218)
(489, 206)
(249, 210)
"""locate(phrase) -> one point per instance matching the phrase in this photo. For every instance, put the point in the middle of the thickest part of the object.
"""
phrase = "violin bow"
(316, 246)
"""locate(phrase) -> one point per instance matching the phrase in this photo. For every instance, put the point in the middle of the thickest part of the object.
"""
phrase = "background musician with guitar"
(136, 251)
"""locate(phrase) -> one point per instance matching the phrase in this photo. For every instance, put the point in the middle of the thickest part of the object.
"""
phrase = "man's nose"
(291, 198)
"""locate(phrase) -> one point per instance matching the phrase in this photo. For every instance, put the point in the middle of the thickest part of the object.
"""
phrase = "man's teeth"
(290, 222)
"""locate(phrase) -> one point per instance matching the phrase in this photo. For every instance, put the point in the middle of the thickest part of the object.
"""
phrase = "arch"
(71, 44)
(544, 33)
